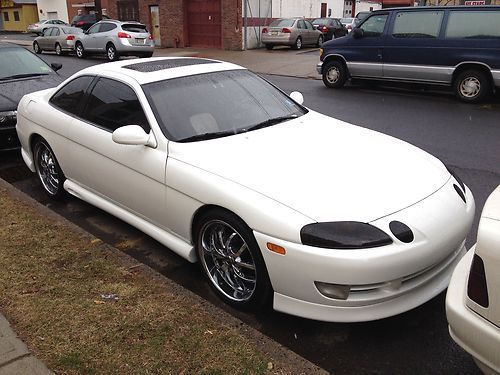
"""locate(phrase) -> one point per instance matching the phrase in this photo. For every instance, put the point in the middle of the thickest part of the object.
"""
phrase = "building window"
(16, 16)
(6, 16)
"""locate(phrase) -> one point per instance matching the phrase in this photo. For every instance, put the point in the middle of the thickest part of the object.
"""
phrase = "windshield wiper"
(205, 136)
(26, 75)
(269, 122)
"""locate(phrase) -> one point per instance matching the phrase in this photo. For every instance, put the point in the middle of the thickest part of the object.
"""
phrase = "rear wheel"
(146, 55)
(334, 74)
(36, 48)
(79, 50)
(298, 43)
(59, 50)
(269, 47)
(111, 52)
(472, 85)
(47, 169)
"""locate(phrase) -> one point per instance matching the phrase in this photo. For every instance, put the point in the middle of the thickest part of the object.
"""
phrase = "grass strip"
(51, 284)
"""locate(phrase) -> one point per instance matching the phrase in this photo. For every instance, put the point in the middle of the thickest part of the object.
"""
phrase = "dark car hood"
(11, 92)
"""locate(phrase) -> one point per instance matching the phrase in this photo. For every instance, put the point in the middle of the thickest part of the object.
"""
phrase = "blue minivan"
(457, 46)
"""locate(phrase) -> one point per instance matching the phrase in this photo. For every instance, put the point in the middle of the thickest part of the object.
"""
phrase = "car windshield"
(218, 104)
(17, 62)
(346, 20)
(320, 21)
(282, 23)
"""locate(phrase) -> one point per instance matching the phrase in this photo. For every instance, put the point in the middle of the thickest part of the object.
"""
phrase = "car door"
(54, 35)
(104, 35)
(312, 35)
(301, 31)
(364, 54)
(131, 177)
(90, 38)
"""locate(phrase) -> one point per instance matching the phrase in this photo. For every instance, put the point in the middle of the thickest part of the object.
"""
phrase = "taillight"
(264, 30)
(79, 23)
(150, 37)
(285, 30)
(477, 289)
(70, 37)
(349, 27)
(324, 29)
(121, 34)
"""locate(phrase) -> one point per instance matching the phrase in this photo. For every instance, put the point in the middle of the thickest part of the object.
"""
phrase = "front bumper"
(319, 67)
(474, 334)
(384, 281)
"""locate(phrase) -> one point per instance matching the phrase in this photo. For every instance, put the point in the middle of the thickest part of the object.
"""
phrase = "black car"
(84, 21)
(330, 27)
(21, 72)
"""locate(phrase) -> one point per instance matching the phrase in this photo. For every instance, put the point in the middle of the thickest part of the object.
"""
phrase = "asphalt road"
(466, 137)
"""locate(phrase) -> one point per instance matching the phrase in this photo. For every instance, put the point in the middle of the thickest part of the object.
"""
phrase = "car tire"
(320, 40)
(298, 43)
(111, 52)
(269, 47)
(47, 169)
(334, 74)
(79, 50)
(36, 48)
(58, 49)
(231, 260)
(146, 55)
(472, 85)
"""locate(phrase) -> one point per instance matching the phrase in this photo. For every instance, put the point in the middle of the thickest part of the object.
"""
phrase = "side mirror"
(357, 33)
(297, 96)
(56, 66)
(133, 135)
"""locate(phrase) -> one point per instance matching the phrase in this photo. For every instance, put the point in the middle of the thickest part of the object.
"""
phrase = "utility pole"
(98, 10)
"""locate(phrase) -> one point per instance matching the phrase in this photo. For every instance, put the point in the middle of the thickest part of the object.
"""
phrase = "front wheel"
(231, 260)
(80, 52)
(472, 86)
(298, 43)
(334, 74)
(111, 52)
(36, 48)
(47, 169)
(269, 47)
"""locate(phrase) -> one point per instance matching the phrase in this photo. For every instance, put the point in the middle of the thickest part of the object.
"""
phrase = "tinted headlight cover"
(343, 235)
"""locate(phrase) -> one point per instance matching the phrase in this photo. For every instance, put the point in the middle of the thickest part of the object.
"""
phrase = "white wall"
(337, 7)
(296, 8)
(364, 6)
(59, 6)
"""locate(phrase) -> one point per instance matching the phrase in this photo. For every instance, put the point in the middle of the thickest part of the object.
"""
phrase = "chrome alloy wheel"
(79, 50)
(227, 260)
(470, 87)
(46, 168)
(333, 74)
(111, 51)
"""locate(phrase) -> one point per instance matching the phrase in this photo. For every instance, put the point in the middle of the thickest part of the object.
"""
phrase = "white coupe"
(329, 220)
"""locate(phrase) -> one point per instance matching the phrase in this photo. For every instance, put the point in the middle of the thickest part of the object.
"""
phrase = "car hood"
(324, 168)
(12, 91)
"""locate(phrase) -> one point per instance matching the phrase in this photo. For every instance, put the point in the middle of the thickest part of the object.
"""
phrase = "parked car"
(84, 21)
(472, 300)
(456, 46)
(153, 142)
(39, 27)
(349, 23)
(21, 72)
(362, 15)
(114, 39)
(330, 27)
(60, 39)
(294, 32)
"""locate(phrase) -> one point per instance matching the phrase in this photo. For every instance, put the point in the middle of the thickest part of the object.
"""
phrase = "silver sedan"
(39, 27)
(294, 32)
(60, 39)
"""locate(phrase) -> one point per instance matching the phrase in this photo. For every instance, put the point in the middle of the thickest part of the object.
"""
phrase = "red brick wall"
(173, 22)
(74, 11)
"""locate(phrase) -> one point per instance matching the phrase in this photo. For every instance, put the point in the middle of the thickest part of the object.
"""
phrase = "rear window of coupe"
(282, 23)
(69, 97)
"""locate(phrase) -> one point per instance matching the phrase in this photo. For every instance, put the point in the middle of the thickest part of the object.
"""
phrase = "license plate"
(140, 40)
(274, 33)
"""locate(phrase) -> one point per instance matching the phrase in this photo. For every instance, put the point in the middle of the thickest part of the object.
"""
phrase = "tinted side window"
(94, 29)
(473, 24)
(70, 95)
(106, 27)
(55, 32)
(374, 26)
(113, 104)
(309, 25)
(301, 24)
(418, 24)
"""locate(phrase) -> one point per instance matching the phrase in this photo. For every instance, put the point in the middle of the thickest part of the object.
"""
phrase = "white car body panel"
(276, 180)
(474, 327)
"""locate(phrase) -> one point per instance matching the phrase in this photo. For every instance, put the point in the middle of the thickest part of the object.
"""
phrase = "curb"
(283, 358)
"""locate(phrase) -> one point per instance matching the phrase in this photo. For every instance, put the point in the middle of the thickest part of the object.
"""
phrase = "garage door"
(204, 23)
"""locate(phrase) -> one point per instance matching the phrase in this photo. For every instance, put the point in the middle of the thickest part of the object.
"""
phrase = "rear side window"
(113, 104)
(134, 28)
(106, 27)
(55, 32)
(70, 95)
(418, 24)
(473, 25)
(374, 26)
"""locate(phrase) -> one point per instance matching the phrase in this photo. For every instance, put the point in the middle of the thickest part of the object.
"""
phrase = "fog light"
(333, 290)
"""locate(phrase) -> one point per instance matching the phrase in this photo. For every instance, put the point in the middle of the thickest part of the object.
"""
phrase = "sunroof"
(153, 66)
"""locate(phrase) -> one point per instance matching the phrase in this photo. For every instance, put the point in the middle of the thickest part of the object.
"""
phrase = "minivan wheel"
(111, 52)
(36, 48)
(472, 85)
(334, 74)
(298, 43)
(80, 52)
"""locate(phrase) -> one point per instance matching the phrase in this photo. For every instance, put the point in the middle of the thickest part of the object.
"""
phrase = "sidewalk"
(279, 61)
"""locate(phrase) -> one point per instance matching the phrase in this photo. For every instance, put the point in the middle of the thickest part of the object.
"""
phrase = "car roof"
(459, 7)
(155, 69)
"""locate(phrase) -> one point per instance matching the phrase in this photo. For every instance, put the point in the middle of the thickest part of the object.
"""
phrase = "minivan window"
(473, 24)
(374, 26)
(426, 24)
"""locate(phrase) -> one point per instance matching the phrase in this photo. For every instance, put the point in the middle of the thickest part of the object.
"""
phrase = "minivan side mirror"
(357, 33)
